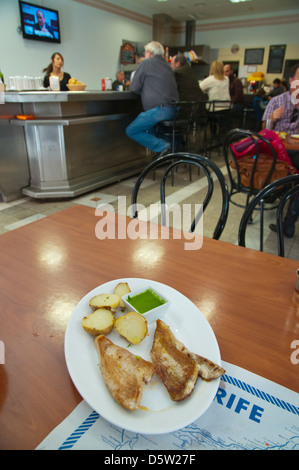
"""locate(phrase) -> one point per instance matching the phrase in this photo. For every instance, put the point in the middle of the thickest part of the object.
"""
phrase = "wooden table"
(290, 143)
(48, 266)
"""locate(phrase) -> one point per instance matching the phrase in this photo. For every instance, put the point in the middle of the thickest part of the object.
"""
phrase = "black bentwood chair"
(289, 190)
(235, 175)
(208, 170)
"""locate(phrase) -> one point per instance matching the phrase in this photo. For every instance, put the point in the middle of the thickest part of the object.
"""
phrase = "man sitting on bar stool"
(186, 80)
(283, 113)
(154, 81)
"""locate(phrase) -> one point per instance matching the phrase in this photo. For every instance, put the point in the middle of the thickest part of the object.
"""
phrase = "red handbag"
(247, 146)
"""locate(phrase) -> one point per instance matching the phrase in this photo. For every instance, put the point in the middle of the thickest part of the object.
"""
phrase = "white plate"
(158, 414)
(295, 136)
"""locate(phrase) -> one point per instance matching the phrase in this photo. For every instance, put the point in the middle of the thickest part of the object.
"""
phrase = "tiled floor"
(118, 197)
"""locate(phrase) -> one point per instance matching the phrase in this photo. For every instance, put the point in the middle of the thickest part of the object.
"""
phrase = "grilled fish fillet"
(177, 370)
(177, 367)
(125, 374)
(208, 370)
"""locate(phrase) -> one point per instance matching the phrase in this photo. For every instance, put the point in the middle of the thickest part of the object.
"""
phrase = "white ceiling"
(182, 10)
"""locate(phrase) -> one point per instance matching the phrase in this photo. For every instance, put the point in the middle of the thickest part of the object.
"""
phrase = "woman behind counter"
(54, 69)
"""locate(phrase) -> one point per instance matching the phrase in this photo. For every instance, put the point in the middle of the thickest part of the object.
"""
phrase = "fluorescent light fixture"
(239, 1)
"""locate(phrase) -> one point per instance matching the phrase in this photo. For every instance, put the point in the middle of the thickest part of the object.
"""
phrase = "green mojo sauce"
(146, 301)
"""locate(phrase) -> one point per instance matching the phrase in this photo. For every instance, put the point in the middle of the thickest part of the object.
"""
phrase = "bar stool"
(179, 128)
(219, 117)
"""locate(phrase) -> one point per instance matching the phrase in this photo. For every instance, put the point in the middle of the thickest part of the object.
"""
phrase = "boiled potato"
(99, 322)
(122, 289)
(132, 326)
(110, 301)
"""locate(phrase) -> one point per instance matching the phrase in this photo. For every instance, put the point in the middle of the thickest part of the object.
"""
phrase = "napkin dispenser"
(54, 83)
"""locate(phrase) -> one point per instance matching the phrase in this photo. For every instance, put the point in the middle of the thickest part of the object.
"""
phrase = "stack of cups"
(19, 83)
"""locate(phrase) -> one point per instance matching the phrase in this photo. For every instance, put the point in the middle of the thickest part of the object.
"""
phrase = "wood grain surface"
(46, 267)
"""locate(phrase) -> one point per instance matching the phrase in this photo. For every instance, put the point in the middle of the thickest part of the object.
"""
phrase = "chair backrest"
(253, 140)
(181, 123)
(185, 111)
(219, 105)
(209, 169)
(288, 188)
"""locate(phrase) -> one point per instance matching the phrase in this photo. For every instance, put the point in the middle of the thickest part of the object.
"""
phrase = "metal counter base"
(78, 189)
(68, 157)
(77, 142)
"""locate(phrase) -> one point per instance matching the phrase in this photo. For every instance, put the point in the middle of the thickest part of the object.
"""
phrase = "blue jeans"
(143, 128)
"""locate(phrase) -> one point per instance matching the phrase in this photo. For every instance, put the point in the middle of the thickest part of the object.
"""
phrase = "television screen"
(39, 23)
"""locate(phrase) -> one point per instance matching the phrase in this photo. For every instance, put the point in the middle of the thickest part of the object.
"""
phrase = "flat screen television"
(39, 23)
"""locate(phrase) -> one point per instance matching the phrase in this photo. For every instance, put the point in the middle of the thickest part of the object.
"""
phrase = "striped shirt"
(283, 124)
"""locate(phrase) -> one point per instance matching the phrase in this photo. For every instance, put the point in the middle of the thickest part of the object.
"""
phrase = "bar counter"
(75, 144)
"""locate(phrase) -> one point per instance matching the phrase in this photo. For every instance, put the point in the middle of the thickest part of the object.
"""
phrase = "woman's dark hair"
(49, 69)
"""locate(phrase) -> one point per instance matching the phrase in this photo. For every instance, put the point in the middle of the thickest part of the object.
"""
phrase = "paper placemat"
(248, 413)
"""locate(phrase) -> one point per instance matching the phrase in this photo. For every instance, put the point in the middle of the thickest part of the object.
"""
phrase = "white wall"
(221, 40)
(91, 40)
(255, 36)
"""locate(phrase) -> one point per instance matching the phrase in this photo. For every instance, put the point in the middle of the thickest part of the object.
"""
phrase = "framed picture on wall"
(254, 56)
(127, 54)
(276, 59)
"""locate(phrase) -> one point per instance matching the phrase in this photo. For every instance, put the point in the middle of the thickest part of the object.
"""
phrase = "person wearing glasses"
(283, 111)
(154, 81)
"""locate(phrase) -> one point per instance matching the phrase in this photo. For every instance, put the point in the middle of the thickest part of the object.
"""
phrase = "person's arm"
(270, 109)
(237, 96)
(137, 83)
(273, 112)
(46, 81)
(205, 84)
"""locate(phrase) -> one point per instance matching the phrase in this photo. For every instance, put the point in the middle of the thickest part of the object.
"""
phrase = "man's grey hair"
(154, 48)
(181, 58)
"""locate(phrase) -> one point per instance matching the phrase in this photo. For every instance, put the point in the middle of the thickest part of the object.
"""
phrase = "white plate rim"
(169, 418)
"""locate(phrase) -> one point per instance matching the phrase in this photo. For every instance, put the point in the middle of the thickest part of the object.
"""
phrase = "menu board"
(276, 59)
(127, 54)
(254, 56)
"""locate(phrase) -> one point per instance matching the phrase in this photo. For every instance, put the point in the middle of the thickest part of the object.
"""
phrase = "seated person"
(120, 80)
(155, 83)
(235, 88)
(216, 85)
(283, 111)
(187, 83)
(277, 89)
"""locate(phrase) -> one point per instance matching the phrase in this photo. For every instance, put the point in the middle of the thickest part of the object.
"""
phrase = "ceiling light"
(239, 1)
